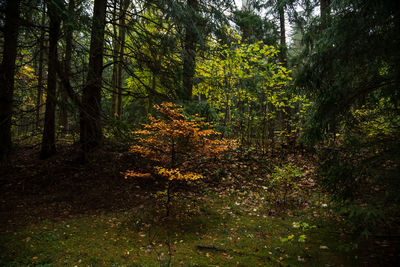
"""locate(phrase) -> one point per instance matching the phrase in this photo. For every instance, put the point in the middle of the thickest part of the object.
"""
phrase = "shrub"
(177, 146)
(284, 183)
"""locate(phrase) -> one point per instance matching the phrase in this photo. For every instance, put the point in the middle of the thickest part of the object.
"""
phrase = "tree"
(7, 71)
(49, 138)
(118, 57)
(254, 28)
(352, 75)
(189, 49)
(39, 97)
(245, 84)
(345, 66)
(177, 147)
(90, 121)
(194, 20)
(68, 36)
(278, 8)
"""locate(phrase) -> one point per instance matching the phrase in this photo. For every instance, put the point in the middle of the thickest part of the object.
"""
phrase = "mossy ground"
(224, 228)
(64, 213)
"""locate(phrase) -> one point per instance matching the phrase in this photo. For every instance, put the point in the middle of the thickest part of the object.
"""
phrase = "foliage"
(351, 61)
(302, 227)
(178, 146)
(25, 101)
(254, 28)
(284, 184)
(361, 171)
(248, 87)
(340, 93)
(350, 71)
(152, 49)
(202, 109)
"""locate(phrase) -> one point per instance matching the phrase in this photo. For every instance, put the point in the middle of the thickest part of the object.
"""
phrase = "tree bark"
(90, 125)
(7, 71)
(284, 116)
(67, 65)
(116, 66)
(283, 55)
(39, 98)
(49, 137)
(125, 6)
(118, 57)
(189, 54)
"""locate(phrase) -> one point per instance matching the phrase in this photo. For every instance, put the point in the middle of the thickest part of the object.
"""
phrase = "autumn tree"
(177, 146)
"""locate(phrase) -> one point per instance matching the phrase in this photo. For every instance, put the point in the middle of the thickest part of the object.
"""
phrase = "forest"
(199, 132)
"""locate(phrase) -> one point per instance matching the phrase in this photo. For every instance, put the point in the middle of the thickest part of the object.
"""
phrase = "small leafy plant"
(284, 183)
(302, 227)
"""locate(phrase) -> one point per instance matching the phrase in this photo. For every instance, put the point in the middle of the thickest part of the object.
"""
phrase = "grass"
(218, 228)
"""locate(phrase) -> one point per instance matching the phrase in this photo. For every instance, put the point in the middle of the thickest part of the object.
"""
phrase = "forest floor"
(61, 212)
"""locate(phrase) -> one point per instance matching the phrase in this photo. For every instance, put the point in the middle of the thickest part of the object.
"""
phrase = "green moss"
(219, 230)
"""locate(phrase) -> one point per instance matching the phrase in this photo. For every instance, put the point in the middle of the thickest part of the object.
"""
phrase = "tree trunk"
(153, 86)
(284, 116)
(283, 56)
(90, 125)
(39, 99)
(49, 137)
(7, 71)
(125, 6)
(189, 54)
(67, 66)
(116, 66)
(118, 57)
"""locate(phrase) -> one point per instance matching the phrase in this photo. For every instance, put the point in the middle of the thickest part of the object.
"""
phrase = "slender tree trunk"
(189, 54)
(67, 65)
(125, 6)
(7, 71)
(227, 84)
(39, 99)
(228, 116)
(119, 102)
(283, 54)
(118, 57)
(248, 111)
(116, 66)
(90, 125)
(269, 108)
(49, 137)
(63, 120)
(150, 97)
(284, 116)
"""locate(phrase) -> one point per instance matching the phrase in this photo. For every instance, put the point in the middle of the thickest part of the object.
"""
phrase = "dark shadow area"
(33, 190)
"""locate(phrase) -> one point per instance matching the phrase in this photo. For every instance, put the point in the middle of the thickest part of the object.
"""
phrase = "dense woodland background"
(170, 91)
